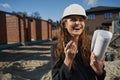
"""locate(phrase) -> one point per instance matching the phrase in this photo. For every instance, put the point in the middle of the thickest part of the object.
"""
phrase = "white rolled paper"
(100, 42)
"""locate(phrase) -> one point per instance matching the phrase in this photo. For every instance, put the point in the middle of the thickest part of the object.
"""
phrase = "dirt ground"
(31, 62)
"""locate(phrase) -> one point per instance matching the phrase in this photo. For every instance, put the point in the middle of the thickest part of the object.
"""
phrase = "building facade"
(101, 17)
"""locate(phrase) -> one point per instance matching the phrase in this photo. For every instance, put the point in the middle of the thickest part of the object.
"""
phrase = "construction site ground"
(31, 62)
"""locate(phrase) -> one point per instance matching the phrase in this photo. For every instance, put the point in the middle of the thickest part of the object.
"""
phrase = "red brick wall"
(38, 29)
(44, 30)
(35, 29)
(28, 29)
(12, 29)
(18, 29)
(110, 28)
(3, 35)
(41, 29)
(55, 32)
(49, 30)
(23, 29)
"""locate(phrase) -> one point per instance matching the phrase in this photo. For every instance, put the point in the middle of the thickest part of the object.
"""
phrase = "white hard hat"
(74, 9)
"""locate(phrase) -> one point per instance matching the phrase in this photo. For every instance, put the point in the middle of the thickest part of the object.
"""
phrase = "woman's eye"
(76, 19)
(73, 19)
(81, 19)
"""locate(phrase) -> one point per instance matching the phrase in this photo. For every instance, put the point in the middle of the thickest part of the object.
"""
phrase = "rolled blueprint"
(100, 42)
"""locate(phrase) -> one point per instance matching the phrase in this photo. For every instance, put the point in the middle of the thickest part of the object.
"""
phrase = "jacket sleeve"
(102, 77)
(60, 72)
(59, 69)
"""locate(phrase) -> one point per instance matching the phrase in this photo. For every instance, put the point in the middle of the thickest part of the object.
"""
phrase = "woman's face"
(75, 25)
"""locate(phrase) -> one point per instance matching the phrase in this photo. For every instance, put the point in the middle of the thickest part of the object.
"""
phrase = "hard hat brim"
(85, 17)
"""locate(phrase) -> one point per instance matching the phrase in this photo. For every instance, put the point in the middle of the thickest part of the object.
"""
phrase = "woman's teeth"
(76, 28)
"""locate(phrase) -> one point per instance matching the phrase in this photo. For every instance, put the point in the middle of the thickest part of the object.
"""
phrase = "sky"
(51, 9)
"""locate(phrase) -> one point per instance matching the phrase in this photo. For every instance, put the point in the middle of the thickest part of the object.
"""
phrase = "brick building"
(20, 29)
(101, 17)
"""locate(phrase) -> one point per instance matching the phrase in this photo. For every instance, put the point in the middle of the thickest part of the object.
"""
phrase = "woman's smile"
(77, 28)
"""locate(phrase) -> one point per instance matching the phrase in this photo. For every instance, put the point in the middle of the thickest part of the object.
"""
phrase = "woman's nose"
(77, 22)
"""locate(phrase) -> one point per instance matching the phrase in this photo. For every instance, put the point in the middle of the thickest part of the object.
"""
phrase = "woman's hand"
(70, 52)
(97, 65)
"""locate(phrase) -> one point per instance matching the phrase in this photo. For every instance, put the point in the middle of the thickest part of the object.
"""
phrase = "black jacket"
(79, 72)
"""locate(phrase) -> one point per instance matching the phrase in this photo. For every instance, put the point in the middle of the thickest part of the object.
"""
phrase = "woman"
(73, 59)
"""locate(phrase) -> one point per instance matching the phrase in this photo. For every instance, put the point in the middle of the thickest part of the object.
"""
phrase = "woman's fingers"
(93, 59)
(71, 45)
(97, 65)
(70, 49)
(68, 44)
(66, 48)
